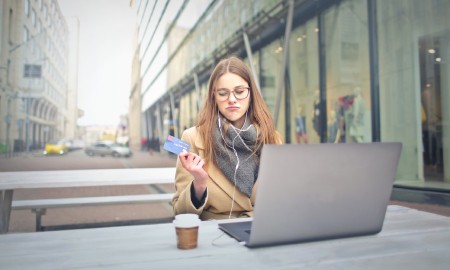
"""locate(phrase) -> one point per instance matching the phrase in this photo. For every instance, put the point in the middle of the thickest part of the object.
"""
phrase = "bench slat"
(88, 201)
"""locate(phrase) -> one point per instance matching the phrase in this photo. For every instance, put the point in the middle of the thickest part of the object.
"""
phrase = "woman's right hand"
(193, 163)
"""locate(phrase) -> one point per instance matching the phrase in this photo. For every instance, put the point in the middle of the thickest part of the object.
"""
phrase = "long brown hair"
(258, 112)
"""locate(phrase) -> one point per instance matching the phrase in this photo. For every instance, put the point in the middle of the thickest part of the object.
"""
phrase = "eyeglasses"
(239, 93)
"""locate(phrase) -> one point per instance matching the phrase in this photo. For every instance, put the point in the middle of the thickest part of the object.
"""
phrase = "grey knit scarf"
(235, 149)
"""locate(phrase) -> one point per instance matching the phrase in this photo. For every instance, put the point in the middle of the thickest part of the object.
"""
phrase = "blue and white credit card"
(175, 145)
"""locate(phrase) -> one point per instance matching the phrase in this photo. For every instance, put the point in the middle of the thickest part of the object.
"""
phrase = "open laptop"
(319, 191)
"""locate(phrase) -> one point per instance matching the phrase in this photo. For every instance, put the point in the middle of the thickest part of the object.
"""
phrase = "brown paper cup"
(187, 237)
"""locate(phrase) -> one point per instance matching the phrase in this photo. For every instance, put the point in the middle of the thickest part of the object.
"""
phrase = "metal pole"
(287, 36)
(248, 48)
(374, 68)
(323, 129)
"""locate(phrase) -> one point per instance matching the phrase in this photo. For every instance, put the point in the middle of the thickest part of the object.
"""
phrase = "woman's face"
(228, 86)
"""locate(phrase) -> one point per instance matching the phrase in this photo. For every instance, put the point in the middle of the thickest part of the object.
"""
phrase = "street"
(85, 217)
(76, 160)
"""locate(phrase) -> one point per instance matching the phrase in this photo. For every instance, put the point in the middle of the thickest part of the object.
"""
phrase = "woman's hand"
(193, 163)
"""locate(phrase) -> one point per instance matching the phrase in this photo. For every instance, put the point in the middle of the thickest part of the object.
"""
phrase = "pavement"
(119, 215)
(433, 201)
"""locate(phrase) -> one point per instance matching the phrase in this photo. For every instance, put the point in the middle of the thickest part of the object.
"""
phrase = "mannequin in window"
(334, 131)
(316, 113)
(300, 128)
(356, 127)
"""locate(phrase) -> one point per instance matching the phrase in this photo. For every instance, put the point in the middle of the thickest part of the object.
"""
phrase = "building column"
(174, 117)
(197, 91)
(159, 124)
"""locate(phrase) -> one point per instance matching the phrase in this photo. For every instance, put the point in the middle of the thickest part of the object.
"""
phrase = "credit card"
(175, 145)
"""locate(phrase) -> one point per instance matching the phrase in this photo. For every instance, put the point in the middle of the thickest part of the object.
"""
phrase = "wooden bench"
(13, 181)
(40, 206)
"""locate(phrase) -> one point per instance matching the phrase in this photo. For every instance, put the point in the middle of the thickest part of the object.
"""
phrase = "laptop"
(311, 192)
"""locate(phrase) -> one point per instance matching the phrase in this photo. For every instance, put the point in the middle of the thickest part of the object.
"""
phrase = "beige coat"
(219, 190)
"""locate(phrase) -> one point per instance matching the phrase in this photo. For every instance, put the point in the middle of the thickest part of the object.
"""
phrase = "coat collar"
(199, 142)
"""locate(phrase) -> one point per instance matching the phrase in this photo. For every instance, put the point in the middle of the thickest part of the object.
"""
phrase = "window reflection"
(304, 76)
(347, 73)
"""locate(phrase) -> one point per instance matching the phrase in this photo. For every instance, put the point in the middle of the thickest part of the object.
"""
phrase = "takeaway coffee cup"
(186, 227)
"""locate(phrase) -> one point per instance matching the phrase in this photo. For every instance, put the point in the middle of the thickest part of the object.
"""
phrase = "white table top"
(410, 238)
(85, 178)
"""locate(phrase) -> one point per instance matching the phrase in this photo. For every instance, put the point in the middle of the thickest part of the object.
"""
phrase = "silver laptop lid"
(322, 191)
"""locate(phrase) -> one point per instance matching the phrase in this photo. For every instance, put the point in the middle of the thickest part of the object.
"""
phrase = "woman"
(217, 178)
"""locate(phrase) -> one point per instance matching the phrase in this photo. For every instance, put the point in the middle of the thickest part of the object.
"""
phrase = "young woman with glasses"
(217, 178)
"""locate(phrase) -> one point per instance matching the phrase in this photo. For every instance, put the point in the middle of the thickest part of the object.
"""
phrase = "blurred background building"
(331, 71)
(37, 100)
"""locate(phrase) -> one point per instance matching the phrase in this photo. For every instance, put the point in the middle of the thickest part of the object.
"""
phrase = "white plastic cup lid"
(186, 223)
(187, 217)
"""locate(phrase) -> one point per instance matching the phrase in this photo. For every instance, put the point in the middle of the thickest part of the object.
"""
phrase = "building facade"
(33, 74)
(331, 71)
(71, 129)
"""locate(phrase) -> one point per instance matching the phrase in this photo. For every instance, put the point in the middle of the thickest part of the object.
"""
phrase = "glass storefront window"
(270, 61)
(430, 61)
(304, 78)
(414, 54)
(347, 73)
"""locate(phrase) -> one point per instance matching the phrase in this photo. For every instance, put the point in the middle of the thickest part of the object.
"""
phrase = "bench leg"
(39, 212)
(5, 209)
